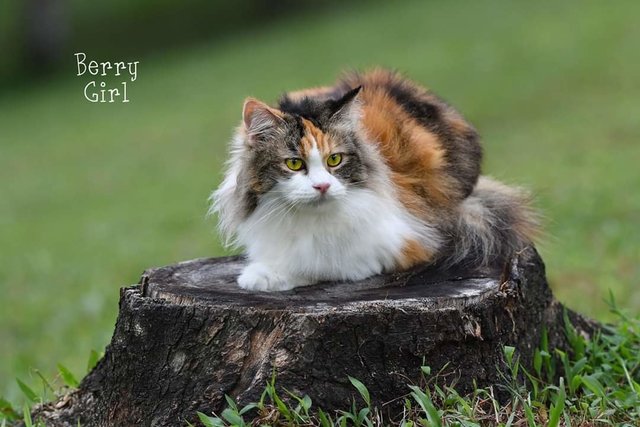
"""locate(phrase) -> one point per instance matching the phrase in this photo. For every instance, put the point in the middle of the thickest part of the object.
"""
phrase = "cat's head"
(305, 153)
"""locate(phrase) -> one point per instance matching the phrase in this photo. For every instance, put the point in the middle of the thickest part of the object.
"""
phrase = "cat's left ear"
(346, 110)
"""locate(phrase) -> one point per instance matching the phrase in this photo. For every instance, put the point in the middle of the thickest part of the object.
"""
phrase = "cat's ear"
(260, 121)
(346, 110)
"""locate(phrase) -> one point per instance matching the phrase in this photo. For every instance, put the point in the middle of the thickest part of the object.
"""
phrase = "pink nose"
(322, 188)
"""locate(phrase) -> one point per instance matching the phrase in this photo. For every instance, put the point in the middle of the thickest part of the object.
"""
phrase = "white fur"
(223, 199)
(347, 238)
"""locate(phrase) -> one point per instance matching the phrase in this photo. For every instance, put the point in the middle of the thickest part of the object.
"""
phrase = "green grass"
(92, 194)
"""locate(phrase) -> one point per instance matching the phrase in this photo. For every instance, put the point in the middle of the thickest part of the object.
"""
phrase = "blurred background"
(92, 194)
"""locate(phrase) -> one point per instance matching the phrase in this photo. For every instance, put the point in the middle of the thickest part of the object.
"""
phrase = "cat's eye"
(334, 160)
(294, 163)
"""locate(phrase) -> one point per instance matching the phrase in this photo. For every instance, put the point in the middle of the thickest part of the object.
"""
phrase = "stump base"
(187, 336)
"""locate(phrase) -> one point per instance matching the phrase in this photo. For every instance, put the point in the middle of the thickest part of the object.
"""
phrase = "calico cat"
(370, 175)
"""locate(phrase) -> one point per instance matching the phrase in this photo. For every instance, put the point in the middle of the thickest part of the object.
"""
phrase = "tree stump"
(186, 336)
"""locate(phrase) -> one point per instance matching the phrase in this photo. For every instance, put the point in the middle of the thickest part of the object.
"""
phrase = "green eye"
(294, 163)
(334, 160)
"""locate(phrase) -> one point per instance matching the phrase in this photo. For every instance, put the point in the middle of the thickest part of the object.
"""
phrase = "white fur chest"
(349, 238)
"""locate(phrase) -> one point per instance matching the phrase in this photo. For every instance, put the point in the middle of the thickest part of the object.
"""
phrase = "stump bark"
(186, 336)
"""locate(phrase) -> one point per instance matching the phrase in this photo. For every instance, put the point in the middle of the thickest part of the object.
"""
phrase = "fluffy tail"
(494, 222)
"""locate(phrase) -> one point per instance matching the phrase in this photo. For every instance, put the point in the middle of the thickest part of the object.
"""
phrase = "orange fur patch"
(413, 153)
(312, 133)
(314, 92)
(412, 254)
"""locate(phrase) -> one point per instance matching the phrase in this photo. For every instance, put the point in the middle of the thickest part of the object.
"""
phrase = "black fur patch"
(314, 110)
(463, 152)
(426, 113)
(318, 111)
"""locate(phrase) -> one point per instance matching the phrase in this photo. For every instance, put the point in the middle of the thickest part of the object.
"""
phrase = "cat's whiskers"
(286, 213)
(279, 206)
(357, 182)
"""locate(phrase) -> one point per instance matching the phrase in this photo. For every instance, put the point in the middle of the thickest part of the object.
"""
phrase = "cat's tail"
(493, 223)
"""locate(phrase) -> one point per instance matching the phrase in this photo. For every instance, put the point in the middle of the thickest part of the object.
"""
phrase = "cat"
(373, 174)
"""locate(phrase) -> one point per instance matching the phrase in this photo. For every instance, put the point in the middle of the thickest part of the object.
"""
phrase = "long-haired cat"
(371, 175)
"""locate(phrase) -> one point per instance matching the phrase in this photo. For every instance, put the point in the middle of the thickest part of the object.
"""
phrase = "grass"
(92, 194)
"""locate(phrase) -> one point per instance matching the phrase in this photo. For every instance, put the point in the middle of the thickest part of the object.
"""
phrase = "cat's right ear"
(345, 112)
(260, 121)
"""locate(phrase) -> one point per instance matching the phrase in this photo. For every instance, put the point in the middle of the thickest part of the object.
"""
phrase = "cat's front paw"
(258, 277)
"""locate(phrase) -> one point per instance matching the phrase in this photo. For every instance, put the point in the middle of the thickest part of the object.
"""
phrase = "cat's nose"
(322, 188)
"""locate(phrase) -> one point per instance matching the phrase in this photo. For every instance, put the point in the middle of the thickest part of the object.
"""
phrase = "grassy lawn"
(92, 194)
